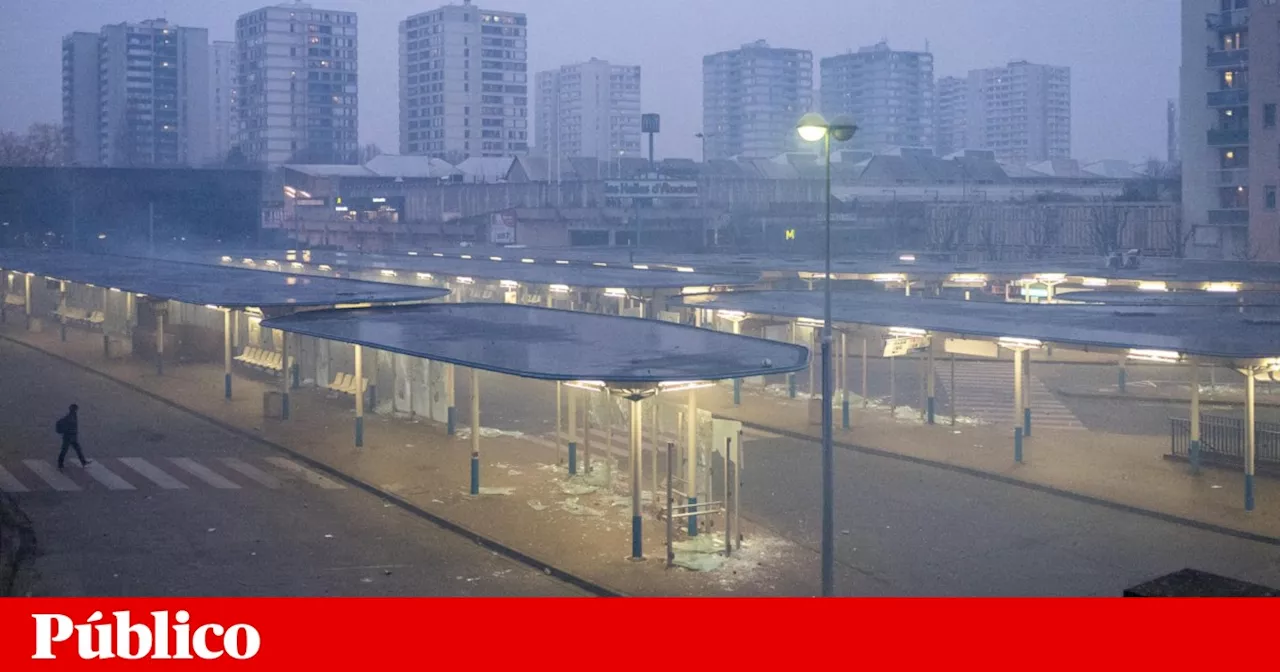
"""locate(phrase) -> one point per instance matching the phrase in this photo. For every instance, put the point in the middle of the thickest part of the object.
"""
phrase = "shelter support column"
(737, 382)
(791, 377)
(284, 375)
(359, 362)
(475, 431)
(1194, 450)
(450, 385)
(1123, 376)
(930, 384)
(573, 432)
(637, 539)
(691, 460)
(161, 307)
(1017, 404)
(62, 310)
(1250, 437)
(864, 372)
(373, 384)
(26, 298)
(844, 380)
(226, 352)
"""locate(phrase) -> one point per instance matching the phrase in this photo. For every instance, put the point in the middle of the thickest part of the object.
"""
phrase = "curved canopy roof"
(209, 285)
(551, 344)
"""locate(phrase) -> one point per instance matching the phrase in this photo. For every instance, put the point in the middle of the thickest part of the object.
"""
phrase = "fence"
(1222, 440)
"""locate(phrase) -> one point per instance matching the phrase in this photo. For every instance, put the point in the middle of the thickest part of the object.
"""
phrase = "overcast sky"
(1123, 53)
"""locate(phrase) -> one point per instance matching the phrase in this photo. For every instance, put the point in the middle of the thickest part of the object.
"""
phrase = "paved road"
(916, 530)
(175, 506)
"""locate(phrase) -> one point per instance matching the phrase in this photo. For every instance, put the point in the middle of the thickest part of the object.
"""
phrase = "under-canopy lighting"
(1094, 282)
(115, 289)
(1163, 356)
(509, 284)
(968, 278)
(466, 256)
(437, 254)
(412, 253)
(695, 290)
(809, 321)
(463, 280)
(1051, 277)
(226, 259)
(526, 260)
(424, 276)
(102, 236)
(615, 292)
(379, 200)
(1014, 342)
(907, 331)
(210, 306)
(640, 267)
(1222, 287)
(272, 262)
(560, 289)
(598, 263)
(732, 314)
(888, 277)
(341, 208)
(248, 261)
(387, 272)
(907, 257)
(684, 386)
(325, 267)
(296, 264)
(684, 269)
(495, 258)
(1153, 286)
(588, 385)
(561, 262)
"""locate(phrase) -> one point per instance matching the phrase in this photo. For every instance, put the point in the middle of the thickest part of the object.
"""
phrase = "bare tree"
(1044, 231)
(1107, 224)
(41, 145)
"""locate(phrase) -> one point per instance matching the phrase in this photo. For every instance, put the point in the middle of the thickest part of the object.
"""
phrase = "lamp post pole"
(812, 128)
(828, 485)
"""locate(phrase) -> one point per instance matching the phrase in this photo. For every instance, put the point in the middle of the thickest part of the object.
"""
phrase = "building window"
(1269, 115)
(1271, 197)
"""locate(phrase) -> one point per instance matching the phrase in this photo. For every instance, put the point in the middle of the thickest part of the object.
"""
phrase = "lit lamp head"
(812, 127)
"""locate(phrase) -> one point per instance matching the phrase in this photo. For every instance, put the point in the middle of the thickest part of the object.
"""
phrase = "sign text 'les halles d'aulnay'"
(652, 189)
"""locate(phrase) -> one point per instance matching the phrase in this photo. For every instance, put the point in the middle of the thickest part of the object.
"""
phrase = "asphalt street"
(174, 506)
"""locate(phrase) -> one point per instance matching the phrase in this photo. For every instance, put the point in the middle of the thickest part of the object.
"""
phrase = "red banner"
(564, 634)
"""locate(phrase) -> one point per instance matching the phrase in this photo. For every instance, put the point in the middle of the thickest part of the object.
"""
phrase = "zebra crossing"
(122, 474)
(984, 390)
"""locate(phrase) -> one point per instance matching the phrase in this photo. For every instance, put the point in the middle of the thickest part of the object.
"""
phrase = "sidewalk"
(581, 526)
(1128, 471)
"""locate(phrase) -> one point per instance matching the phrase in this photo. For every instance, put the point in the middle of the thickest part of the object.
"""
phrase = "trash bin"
(272, 404)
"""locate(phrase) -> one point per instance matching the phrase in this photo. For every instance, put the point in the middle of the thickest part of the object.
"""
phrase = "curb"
(1172, 401)
(1036, 487)
(481, 540)
(24, 537)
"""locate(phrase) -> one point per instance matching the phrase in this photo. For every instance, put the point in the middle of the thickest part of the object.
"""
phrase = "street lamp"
(812, 128)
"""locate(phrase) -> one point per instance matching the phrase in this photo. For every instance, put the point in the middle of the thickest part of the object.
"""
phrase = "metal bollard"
(573, 458)
(1017, 445)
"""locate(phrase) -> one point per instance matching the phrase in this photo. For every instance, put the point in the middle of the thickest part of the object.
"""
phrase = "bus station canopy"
(209, 285)
(547, 344)
(1225, 334)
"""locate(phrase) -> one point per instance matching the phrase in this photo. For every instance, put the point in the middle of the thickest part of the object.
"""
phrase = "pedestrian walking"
(69, 427)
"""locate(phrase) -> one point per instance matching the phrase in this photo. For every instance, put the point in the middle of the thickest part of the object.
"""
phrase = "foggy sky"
(1123, 53)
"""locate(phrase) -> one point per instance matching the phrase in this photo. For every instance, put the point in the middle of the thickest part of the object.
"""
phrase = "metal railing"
(1220, 58)
(1228, 98)
(1222, 440)
(1230, 177)
(1219, 137)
